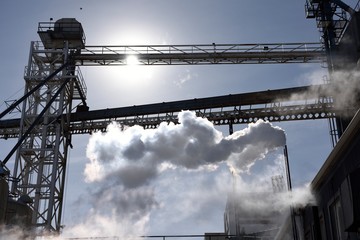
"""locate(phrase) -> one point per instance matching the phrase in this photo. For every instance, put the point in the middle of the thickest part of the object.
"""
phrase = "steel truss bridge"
(54, 85)
(312, 102)
(203, 54)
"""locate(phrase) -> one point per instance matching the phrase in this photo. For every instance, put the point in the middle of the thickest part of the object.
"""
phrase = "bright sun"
(133, 72)
(133, 69)
(132, 60)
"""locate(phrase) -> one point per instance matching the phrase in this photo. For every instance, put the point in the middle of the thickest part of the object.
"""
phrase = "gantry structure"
(55, 87)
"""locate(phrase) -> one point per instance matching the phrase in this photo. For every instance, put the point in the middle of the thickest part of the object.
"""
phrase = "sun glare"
(133, 71)
(132, 60)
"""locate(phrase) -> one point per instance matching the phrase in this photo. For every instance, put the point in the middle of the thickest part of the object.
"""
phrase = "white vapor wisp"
(125, 165)
(343, 91)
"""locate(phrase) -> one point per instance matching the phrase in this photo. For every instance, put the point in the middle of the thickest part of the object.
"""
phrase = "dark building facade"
(336, 214)
(337, 184)
(337, 190)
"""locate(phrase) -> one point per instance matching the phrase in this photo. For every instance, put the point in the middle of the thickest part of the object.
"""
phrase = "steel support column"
(41, 159)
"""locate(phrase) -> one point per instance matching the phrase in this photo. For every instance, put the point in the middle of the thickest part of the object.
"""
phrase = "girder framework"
(40, 160)
(222, 116)
(329, 15)
(312, 102)
(333, 18)
(202, 54)
(273, 106)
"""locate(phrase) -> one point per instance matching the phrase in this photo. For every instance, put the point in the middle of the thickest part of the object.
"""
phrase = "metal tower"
(332, 19)
(41, 158)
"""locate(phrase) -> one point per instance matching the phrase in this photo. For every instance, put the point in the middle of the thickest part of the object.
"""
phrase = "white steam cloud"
(13, 233)
(135, 156)
(257, 207)
(124, 164)
(175, 175)
(343, 88)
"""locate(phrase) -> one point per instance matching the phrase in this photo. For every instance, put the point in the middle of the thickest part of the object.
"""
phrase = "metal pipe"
(288, 177)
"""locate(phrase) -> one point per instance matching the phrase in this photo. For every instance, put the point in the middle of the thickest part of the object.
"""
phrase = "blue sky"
(125, 22)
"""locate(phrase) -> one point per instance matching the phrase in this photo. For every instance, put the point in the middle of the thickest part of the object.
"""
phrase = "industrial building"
(336, 214)
(32, 193)
(337, 188)
(247, 221)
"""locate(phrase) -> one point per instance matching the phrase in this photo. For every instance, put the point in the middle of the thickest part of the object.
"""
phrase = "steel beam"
(194, 54)
(272, 105)
(203, 54)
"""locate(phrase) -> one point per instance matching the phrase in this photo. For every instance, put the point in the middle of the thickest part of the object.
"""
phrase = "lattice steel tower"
(42, 157)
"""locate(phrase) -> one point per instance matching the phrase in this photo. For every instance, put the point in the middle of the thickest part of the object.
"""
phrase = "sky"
(178, 202)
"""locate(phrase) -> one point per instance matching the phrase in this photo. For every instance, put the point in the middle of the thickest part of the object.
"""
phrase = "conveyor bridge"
(191, 54)
(271, 105)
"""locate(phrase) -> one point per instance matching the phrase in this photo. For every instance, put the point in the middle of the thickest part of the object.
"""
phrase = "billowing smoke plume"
(176, 175)
(125, 163)
(135, 156)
